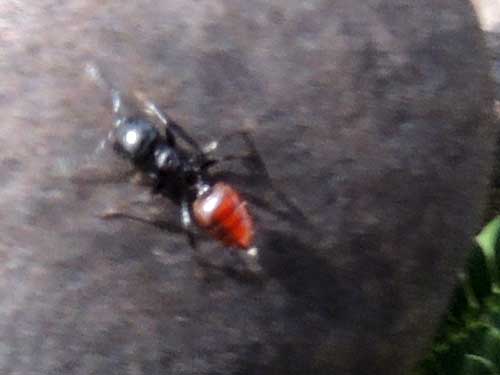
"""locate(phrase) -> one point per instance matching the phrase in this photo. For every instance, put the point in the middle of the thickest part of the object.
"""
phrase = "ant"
(179, 172)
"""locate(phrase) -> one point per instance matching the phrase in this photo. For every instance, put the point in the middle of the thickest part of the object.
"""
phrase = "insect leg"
(187, 223)
(251, 158)
(214, 145)
(122, 212)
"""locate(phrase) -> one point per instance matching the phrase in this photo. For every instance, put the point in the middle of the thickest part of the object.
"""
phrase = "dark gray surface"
(493, 42)
(374, 117)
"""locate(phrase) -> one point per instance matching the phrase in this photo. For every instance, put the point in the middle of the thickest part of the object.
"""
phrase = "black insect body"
(182, 172)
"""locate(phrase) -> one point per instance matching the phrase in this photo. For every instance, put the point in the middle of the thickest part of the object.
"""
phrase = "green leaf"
(468, 339)
(477, 365)
(479, 280)
(491, 346)
(488, 239)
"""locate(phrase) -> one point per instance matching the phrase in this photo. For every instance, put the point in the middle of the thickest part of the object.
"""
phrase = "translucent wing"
(171, 128)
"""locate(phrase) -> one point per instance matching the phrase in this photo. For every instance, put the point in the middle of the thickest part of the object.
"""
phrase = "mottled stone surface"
(493, 43)
(373, 117)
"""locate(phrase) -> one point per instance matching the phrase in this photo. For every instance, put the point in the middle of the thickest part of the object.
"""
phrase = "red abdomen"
(223, 213)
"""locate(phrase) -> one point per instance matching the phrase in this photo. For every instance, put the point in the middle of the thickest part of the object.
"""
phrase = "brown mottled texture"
(374, 117)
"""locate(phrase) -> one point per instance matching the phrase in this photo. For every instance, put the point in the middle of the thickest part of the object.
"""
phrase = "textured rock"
(493, 42)
(373, 117)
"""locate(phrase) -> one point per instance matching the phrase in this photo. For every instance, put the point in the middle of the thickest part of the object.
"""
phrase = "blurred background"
(489, 14)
